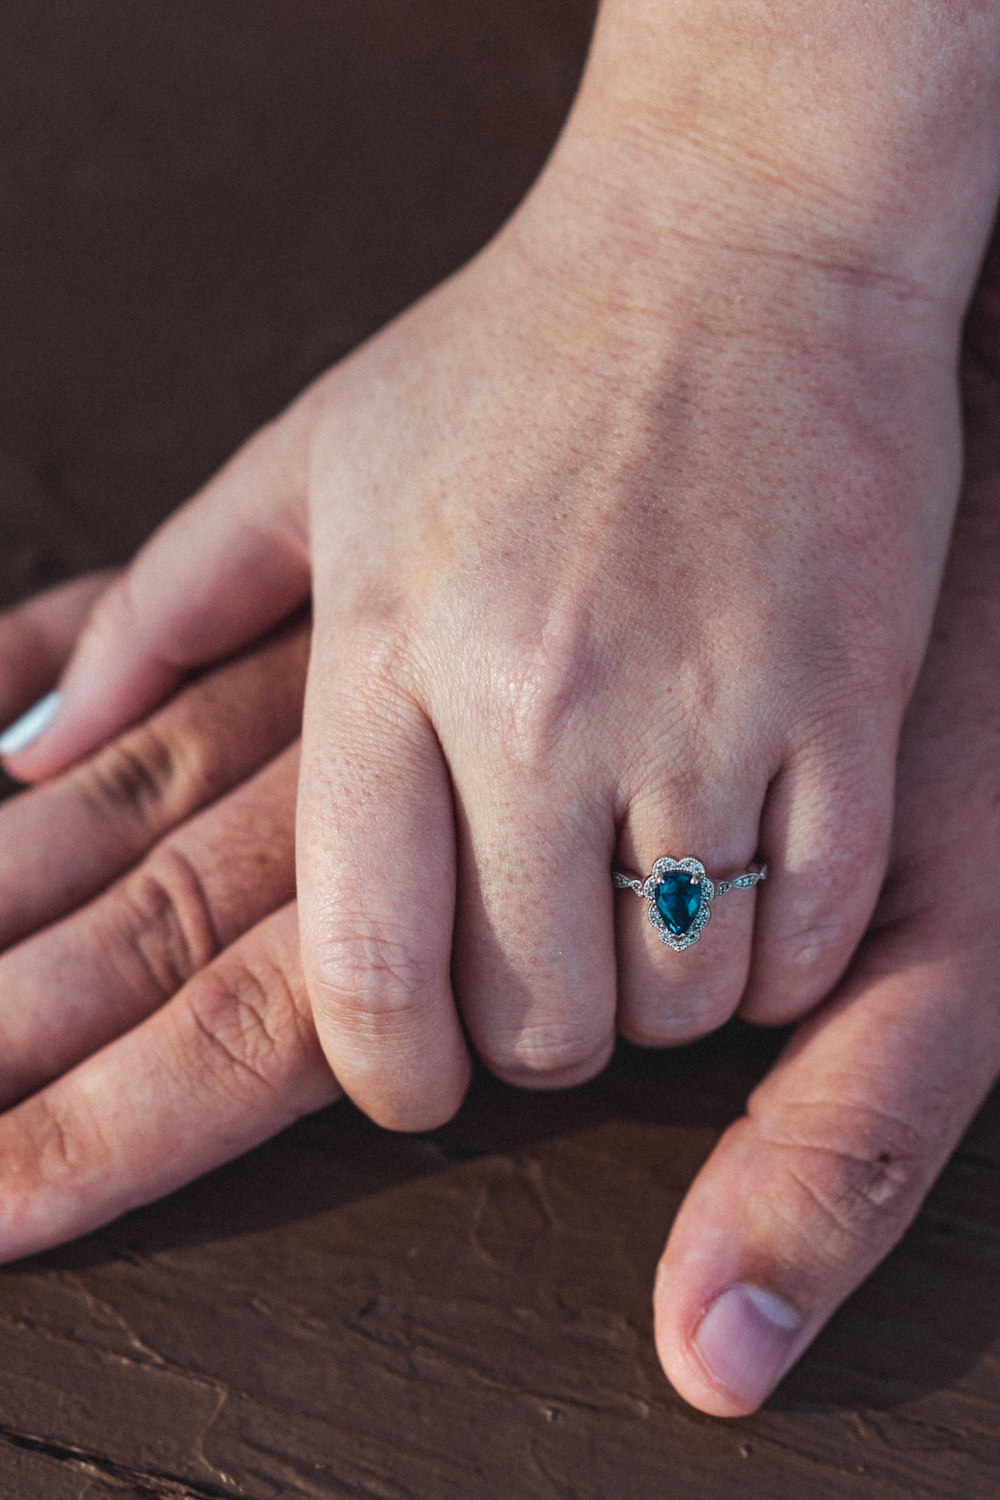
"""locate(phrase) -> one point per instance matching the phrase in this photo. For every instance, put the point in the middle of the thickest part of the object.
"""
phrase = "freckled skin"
(624, 541)
(801, 1198)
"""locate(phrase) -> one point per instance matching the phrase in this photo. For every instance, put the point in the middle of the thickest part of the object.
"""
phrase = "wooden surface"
(204, 204)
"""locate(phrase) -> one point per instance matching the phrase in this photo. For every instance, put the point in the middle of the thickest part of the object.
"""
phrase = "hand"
(623, 542)
(122, 881)
(585, 586)
(841, 1142)
(801, 1198)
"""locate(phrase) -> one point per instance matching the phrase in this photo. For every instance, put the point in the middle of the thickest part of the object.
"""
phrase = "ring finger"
(666, 996)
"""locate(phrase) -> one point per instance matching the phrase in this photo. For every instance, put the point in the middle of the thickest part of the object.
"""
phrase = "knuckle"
(52, 1147)
(540, 688)
(248, 1024)
(362, 971)
(168, 921)
(132, 777)
(671, 1020)
(151, 775)
(823, 922)
(854, 1175)
(112, 616)
(551, 1054)
(818, 941)
(383, 662)
(57, 1146)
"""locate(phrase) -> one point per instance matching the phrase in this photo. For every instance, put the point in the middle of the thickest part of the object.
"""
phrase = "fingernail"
(30, 725)
(744, 1340)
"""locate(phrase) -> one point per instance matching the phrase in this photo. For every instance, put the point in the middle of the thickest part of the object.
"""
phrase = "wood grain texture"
(203, 205)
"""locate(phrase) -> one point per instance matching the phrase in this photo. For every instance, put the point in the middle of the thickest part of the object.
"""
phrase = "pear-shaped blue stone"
(677, 900)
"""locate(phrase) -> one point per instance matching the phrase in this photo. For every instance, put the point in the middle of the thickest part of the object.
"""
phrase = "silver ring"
(680, 896)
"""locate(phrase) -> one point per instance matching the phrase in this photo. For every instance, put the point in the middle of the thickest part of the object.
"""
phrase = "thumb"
(805, 1195)
(229, 565)
(37, 638)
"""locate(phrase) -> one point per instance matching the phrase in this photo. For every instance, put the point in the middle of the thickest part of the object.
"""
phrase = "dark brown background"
(203, 204)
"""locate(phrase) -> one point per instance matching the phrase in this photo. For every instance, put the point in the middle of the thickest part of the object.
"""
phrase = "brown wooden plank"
(203, 205)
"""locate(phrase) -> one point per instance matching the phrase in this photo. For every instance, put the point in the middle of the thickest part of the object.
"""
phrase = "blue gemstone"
(678, 900)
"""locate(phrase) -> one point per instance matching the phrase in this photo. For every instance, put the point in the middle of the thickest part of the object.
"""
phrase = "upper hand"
(148, 1088)
(603, 568)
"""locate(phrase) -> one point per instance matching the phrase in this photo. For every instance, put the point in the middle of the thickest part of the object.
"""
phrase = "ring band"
(680, 896)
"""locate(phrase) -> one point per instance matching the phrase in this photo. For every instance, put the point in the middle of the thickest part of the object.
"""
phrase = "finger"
(66, 840)
(534, 956)
(825, 834)
(228, 566)
(38, 636)
(225, 1065)
(711, 815)
(807, 1193)
(84, 981)
(376, 879)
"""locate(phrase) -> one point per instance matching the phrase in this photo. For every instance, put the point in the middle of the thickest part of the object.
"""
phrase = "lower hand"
(150, 964)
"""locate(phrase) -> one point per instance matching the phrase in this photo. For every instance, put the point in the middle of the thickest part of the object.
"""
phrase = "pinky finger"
(229, 1062)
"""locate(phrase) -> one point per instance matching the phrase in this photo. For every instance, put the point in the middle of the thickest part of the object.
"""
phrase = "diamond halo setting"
(679, 895)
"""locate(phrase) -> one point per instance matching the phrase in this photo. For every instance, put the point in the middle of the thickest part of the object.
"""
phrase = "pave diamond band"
(680, 893)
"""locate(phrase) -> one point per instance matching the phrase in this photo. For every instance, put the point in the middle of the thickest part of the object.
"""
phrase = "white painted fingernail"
(30, 725)
(745, 1339)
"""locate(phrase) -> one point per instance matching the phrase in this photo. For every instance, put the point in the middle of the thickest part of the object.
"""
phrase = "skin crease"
(860, 120)
(842, 1140)
(650, 558)
(754, 421)
(803, 1196)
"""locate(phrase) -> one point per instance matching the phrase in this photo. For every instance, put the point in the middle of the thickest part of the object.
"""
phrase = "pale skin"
(596, 553)
(181, 843)
(623, 542)
(131, 870)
